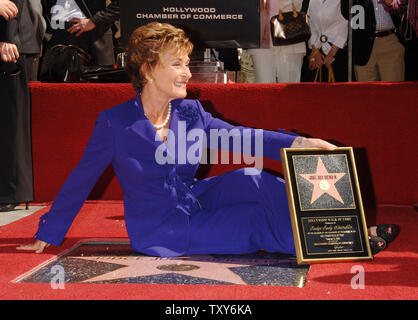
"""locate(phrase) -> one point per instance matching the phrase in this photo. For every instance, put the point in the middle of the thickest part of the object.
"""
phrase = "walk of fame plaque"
(325, 205)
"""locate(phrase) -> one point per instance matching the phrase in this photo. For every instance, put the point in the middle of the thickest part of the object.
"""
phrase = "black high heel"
(27, 205)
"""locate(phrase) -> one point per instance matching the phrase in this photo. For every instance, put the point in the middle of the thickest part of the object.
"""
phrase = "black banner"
(209, 24)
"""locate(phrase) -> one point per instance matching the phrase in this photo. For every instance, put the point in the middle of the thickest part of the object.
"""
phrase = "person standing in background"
(85, 24)
(277, 63)
(409, 11)
(328, 41)
(39, 25)
(18, 46)
(377, 53)
(410, 7)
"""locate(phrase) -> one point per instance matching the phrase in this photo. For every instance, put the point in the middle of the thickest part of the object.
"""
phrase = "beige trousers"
(272, 65)
(386, 62)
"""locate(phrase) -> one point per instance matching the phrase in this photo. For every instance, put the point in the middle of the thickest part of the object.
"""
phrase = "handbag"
(405, 29)
(331, 77)
(289, 27)
(104, 74)
(64, 63)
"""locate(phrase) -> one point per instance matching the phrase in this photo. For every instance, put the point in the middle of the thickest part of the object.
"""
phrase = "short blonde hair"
(147, 43)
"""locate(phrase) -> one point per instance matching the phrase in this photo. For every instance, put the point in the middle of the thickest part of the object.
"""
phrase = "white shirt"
(270, 8)
(65, 10)
(326, 19)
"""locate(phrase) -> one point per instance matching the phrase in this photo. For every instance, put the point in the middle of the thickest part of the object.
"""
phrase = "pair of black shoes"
(385, 233)
(6, 207)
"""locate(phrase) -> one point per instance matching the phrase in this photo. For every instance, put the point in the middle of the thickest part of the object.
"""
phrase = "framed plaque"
(325, 205)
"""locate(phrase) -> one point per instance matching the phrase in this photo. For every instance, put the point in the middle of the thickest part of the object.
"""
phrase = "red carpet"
(390, 276)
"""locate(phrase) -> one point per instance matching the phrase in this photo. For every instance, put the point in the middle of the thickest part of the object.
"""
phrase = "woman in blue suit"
(154, 143)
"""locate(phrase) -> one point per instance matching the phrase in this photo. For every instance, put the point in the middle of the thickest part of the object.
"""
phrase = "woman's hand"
(8, 52)
(301, 142)
(328, 60)
(330, 57)
(38, 246)
(316, 60)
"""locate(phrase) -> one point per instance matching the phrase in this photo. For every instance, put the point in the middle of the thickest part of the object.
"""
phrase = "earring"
(151, 81)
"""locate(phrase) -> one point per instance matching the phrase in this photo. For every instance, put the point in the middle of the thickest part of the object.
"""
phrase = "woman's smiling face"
(171, 74)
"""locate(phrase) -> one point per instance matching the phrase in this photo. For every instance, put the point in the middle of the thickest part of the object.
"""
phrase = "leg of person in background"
(369, 71)
(411, 61)
(386, 62)
(289, 66)
(264, 65)
(31, 66)
(16, 179)
(366, 73)
(340, 65)
(390, 60)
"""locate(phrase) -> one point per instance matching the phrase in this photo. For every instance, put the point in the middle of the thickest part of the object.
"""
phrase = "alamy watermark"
(58, 279)
(57, 24)
(358, 19)
(358, 281)
(189, 147)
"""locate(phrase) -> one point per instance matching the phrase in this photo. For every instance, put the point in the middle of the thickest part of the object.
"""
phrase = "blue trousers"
(242, 214)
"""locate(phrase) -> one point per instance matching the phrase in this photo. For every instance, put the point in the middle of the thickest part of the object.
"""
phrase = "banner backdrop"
(208, 23)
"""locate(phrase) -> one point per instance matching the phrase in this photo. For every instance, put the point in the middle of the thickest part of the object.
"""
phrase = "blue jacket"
(159, 199)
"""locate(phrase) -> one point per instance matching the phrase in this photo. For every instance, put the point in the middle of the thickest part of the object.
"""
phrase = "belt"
(385, 33)
(323, 38)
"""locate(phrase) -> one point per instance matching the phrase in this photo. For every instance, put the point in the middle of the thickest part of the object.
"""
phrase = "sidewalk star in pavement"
(202, 267)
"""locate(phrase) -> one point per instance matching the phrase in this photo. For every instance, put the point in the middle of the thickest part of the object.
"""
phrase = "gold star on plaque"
(324, 182)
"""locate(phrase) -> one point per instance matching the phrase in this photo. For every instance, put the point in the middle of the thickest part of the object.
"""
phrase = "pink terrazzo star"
(207, 267)
(324, 182)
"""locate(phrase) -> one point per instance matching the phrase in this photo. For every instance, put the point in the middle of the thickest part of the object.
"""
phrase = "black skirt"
(16, 178)
(339, 66)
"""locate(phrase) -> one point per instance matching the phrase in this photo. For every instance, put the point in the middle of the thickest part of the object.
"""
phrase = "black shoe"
(387, 232)
(6, 207)
(377, 244)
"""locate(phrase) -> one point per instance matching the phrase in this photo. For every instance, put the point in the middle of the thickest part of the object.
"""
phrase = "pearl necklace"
(160, 126)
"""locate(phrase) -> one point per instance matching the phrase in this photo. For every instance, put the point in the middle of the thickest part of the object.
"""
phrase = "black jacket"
(363, 39)
(20, 30)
